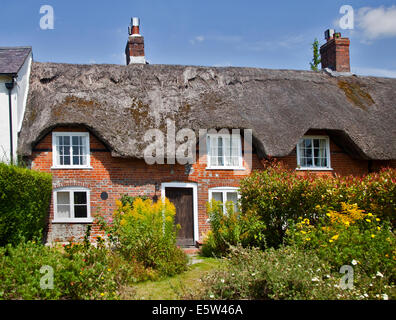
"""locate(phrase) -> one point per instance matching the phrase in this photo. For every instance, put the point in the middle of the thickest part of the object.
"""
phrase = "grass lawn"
(173, 288)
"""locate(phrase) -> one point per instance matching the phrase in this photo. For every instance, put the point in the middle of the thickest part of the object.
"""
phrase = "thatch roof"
(119, 103)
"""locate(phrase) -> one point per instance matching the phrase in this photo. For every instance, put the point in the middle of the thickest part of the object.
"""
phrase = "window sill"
(314, 169)
(74, 221)
(225, 168)
(72, 168)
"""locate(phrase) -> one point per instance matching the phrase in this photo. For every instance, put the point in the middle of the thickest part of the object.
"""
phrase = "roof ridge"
(18, 47)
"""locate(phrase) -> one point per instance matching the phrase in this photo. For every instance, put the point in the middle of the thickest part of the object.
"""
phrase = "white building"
(15, 63)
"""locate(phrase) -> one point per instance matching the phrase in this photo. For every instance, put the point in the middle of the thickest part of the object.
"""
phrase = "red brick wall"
(118, 176)
(335, 55)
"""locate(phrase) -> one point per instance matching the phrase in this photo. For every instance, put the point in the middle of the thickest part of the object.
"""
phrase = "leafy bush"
(24, 201)
(145, 232)
(282, 274)
(349, 235)
(127, 199)
(278, 195)
(230, 228)
(80, 271)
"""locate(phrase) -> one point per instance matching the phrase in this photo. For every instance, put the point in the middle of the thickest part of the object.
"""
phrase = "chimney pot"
(135, 46)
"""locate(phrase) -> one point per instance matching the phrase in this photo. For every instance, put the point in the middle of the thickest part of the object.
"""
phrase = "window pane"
(220, 152)
(75, 140)
(66, 161)
(80, 211)
(218, 196)
(63, 198)
(307, 153)
(233, 196)
(236, 150)
(63, 211)
(227, 150)
(80, 197)
(213, 150)
(63, 205)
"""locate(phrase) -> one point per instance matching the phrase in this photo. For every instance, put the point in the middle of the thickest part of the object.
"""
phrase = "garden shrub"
(145, 232)
(81, 272)
(24, 202)
(230, 228)
(286, 273)
(279, 195)
(349, 235)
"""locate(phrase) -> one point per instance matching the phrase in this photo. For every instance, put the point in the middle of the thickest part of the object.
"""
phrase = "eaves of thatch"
(120, 103)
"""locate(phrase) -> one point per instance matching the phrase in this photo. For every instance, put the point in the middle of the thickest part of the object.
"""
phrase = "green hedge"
(24, 201)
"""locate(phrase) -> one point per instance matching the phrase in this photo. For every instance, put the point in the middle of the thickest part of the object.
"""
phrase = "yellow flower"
(308, 239)
(370, 214)
(335, 237)
(368, 220)
(109, 269)
(303, 232)
(331, 240)
(377, 219)
(102, 294)
(379, 228)
(373, 236)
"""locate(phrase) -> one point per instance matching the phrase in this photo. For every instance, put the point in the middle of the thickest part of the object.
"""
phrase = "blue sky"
(266, 34)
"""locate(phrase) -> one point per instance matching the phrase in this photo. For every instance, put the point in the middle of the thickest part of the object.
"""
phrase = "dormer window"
(70, 150)
(313, 153)
(224, 151)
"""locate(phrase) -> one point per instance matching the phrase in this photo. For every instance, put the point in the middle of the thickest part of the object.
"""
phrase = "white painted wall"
(19, 98)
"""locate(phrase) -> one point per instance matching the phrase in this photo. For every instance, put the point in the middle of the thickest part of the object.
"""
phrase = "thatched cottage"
(88, 125)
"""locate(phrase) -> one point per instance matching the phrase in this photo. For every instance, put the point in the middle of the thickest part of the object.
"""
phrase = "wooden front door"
(182, 198)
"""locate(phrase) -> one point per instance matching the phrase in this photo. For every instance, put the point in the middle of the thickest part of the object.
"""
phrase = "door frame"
(194, 187)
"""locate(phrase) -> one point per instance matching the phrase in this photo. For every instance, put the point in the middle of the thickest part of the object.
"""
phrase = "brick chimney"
(335, 52)
(134, 50)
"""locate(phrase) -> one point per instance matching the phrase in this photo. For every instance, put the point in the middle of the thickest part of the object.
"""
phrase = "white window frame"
(208, 157)
(313, 168)
(55, 164)
(224, 191)
(71, 190)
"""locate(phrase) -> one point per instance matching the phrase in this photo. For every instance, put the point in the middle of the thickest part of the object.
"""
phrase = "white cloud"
(217, 38)
(377, 72)
(376, 23)
(197, 39)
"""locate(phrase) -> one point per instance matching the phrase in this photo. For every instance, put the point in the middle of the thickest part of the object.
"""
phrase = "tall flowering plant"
(350, 234)
(145, 232)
